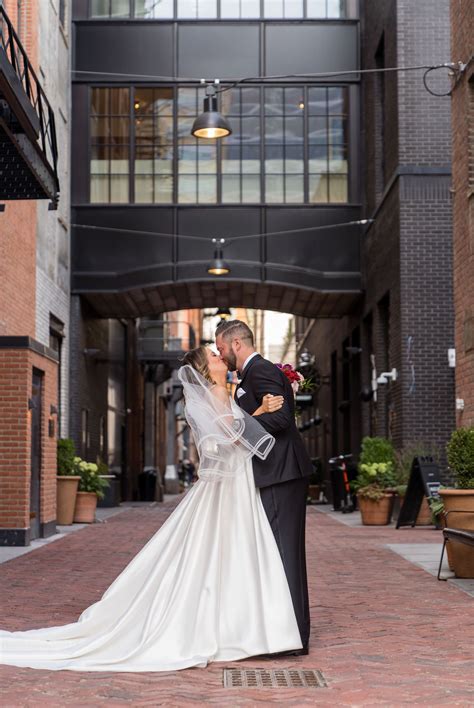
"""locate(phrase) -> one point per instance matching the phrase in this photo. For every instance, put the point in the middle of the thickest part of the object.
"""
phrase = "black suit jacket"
(288, 459)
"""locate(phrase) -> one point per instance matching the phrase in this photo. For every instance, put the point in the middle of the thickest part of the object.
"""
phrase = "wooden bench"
(459, 535)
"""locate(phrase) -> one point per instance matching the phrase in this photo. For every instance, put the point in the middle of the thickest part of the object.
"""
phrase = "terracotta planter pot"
(86, 504)
(376, 513)
(314, 491)
(460, 556)
(66, 491)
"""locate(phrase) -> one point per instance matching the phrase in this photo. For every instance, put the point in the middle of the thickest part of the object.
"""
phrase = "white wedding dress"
(208, 586)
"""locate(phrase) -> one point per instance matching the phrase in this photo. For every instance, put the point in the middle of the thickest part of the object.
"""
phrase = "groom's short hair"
(235, 328)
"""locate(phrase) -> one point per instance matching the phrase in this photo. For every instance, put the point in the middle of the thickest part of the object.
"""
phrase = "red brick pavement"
(384, 632)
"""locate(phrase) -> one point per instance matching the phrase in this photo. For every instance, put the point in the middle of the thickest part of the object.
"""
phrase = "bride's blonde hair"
(197, 358)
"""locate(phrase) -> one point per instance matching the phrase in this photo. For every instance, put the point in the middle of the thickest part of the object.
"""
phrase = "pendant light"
(211, 123)
(218, 266)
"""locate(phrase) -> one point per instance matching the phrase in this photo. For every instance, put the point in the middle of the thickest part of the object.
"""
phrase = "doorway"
(36, 408)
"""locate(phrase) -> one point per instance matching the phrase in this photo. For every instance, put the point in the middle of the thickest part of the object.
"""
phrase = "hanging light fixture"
(218, 266)
(211, 123)
(224, 313)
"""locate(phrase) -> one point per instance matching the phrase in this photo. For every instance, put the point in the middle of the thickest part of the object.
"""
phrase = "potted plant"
(403, 463)
(375, 481)
(67, 482)
(91, 487)
(459, 501)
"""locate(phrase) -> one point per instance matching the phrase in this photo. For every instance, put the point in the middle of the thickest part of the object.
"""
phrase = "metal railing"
(18, 59)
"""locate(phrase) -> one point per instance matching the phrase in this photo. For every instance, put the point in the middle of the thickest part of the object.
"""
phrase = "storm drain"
(273, 678)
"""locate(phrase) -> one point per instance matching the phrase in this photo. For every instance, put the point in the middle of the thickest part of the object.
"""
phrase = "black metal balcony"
(28, 147)
(164, 342)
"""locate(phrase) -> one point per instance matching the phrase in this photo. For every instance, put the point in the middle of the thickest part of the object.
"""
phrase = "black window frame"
(348, 13)
(304, 90)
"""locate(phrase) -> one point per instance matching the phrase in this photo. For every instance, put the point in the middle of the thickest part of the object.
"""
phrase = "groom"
(283, 476)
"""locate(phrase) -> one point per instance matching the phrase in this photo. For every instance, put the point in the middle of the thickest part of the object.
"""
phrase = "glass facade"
(289, 145)
(110, 145)
(218, 9)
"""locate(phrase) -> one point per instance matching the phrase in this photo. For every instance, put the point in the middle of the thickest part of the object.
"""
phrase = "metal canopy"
(142, 302)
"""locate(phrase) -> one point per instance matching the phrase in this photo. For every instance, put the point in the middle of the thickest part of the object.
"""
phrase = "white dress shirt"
(247, 361)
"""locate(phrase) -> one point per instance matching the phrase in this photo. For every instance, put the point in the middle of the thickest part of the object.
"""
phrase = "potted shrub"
(91, 487)
(460, 454)
(375, 481)
(67, 482)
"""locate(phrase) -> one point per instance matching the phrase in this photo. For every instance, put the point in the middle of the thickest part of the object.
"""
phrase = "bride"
(210, 584)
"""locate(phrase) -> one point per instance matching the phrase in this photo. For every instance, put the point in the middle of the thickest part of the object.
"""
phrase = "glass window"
(197, 159)
(240, 152)
(284, 144)
(226, 9)
(240, 9)
(197, 9)
(154, 9)
(283, 8)
(110, 145)
(290, 141)
(327, 144)
(110, 8)
(153, 110)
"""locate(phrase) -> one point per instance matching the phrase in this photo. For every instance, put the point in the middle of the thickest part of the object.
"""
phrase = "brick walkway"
(384, 631)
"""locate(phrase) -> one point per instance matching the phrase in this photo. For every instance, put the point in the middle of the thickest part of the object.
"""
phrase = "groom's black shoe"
(304, 651)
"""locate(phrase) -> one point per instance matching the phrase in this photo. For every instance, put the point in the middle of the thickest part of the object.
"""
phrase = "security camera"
(386, 376)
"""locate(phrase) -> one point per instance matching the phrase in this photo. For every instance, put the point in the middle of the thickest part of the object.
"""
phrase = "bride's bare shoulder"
(220, 392)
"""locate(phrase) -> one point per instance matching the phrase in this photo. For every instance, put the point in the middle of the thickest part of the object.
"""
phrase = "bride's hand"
(270, 404)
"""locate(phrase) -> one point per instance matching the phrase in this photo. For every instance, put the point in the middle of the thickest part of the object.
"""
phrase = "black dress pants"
(285, 507)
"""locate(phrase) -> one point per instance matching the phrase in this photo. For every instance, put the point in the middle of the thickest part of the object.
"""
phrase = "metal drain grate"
(273, 678)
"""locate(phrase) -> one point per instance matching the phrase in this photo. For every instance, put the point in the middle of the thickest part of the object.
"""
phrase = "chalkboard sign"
(424, 481)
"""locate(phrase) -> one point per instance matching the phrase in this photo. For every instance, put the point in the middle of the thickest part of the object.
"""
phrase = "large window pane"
(338, 188)
(207, 189)
(197, 9)
(274, 158)
(250, 159)
(240, 9)
(231, 188)
(187, 186)
(164, 189)
(318, 188)
(251, 189)
(100, 8)
(99, 189)
(337, 8)
(154, 9)
(316, 8)
(274, 191)
(119, 8)
(144, 189)
(294, 188)
(119, 189)
(232, 167)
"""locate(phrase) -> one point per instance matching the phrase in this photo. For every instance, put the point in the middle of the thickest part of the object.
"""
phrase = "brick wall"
(16, 373)
(406, 253)
(462, 106)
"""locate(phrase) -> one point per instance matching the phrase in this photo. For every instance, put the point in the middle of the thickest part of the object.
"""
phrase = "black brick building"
(405, 319)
